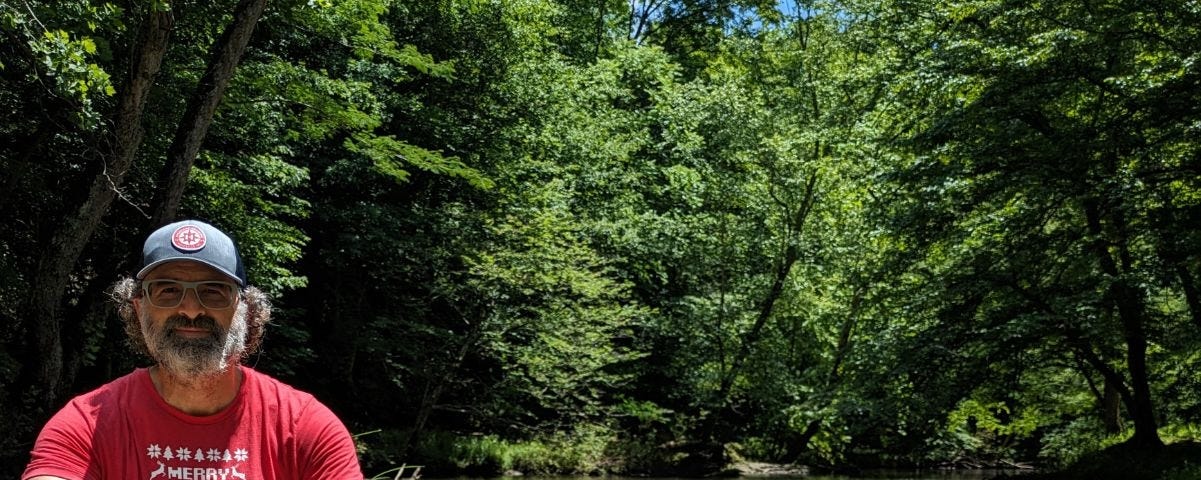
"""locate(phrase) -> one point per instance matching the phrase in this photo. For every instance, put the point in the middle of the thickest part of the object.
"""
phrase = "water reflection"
(874, 475)
(916, 475)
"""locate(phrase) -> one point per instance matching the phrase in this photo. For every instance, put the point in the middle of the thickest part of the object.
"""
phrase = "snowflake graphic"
(154, 451)
(184, 454)
(240, 455)
(214, 455)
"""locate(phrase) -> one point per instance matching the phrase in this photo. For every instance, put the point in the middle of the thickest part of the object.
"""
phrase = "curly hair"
(255, 303)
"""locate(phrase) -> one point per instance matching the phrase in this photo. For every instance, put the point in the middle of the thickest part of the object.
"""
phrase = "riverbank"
(784, 471)
(1179, 461)
(449, 455)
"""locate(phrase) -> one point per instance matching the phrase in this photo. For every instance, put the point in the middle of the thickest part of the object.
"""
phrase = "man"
(197, 413)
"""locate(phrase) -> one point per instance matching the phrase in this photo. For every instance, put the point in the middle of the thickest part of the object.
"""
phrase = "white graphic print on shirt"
(183, 463)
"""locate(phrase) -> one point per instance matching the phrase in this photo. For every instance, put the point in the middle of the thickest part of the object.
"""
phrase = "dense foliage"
(642, 237)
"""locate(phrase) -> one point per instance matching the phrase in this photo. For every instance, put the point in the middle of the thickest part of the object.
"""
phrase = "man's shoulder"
(105, 403)
(116, 390)
(269, 387)
(288, 402)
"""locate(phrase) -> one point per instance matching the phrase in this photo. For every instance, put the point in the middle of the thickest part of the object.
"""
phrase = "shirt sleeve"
(325, 447)
(64, 447)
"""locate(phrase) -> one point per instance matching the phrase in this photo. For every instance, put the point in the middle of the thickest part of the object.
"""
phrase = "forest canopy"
(639, 237)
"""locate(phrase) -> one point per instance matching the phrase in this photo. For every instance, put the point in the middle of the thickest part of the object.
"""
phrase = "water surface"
(873, 475)
(914, 475)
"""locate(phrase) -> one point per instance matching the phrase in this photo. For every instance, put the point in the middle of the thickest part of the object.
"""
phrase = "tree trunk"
(1113, 380)
(1191, 295)
(801, 444)
(344, 313)
(436, 384)
(767, 306)
(1115, 391)
(58, 260)
(1111, 409)
(1131, 309)
(1109, 396)
(226, 54)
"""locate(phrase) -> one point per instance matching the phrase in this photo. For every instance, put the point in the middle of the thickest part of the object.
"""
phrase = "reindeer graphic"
(233, 472)
(161, 470)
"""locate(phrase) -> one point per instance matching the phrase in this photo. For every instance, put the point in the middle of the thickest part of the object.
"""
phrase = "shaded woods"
(644, 237)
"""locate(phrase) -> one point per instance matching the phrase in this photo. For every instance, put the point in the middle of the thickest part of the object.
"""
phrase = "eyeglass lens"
(170, 293)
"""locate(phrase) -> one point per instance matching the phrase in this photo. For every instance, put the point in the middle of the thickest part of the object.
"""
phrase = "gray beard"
(196, 360)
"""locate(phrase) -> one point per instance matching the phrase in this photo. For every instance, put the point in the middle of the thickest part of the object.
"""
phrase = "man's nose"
(190, 305)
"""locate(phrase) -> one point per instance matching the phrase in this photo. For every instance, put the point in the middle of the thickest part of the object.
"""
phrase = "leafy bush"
(1190, 472)
(584, 450)
(1071, 442)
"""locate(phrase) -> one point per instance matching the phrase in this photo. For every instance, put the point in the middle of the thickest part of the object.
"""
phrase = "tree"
(226, 53)
(1048, 166)
(54, 268)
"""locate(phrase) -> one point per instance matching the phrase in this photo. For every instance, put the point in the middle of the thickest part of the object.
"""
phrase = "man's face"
(192, 340)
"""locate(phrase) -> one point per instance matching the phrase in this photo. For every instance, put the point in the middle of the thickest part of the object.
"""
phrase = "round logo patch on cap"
(188, 238)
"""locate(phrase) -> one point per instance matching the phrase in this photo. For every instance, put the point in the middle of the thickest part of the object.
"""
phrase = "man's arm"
(326, 448)
(64, 447)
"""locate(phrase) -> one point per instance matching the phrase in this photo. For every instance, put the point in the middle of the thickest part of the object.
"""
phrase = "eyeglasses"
(169, 293)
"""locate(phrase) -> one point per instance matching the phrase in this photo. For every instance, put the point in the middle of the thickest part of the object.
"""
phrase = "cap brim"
(145, 270)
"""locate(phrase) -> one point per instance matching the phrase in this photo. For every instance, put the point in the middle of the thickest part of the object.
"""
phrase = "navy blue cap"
(196, 241)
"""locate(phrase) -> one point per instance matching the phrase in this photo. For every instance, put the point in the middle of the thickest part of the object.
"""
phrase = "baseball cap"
(196, 241)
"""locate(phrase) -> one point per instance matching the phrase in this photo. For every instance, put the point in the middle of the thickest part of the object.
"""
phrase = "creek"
(874, 475)
(915, 475)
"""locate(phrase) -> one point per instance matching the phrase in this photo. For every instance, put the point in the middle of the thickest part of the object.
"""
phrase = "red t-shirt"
(125, 431)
